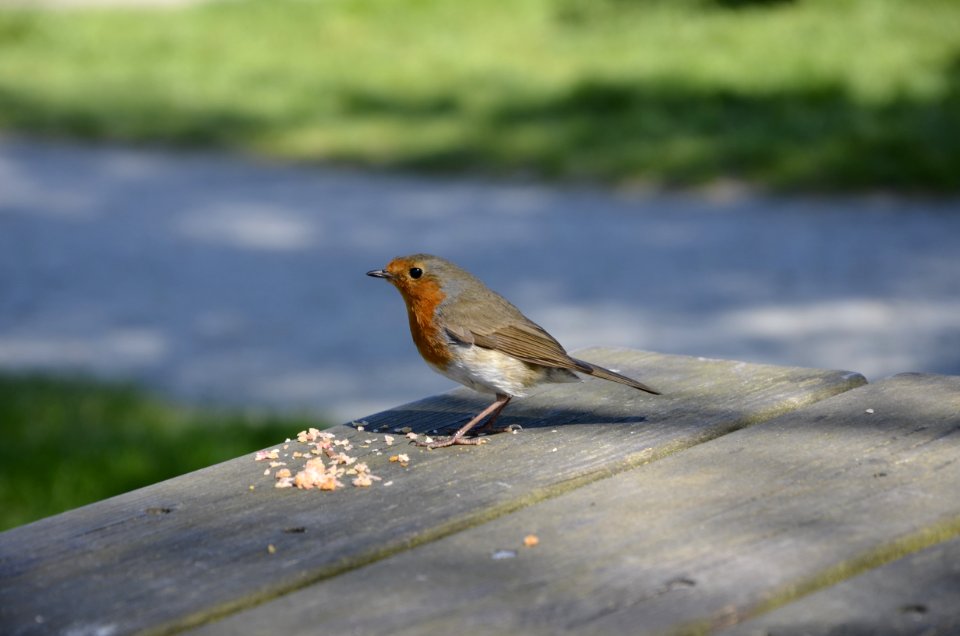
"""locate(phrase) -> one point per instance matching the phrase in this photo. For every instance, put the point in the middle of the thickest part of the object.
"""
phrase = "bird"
(473, 335)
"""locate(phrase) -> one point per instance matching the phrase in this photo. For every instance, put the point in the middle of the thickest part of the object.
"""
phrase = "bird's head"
(423, 278)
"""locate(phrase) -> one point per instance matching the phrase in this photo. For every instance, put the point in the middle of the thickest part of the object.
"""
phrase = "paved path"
(214, 277)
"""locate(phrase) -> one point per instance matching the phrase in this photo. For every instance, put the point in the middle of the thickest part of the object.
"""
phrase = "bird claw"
(453, 440)
(509, 428)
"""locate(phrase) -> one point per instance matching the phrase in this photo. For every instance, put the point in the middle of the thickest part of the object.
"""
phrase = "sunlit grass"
(802, 93)
(72, 441)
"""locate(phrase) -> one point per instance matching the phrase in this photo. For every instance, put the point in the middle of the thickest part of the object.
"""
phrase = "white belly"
(489, 371)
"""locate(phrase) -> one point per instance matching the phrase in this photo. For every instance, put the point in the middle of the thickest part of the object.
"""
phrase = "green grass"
(72, 441)
(792, 94)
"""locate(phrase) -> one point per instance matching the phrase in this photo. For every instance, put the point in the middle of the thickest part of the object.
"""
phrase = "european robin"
(469, 333)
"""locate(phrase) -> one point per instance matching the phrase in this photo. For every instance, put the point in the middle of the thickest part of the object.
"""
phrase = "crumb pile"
(327, 462)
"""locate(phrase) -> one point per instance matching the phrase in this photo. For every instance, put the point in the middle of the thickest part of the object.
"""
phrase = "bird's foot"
(489, 428)
(453, 440)
(459, 437)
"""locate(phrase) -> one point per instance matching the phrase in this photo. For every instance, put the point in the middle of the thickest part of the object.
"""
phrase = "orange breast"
(427, 334)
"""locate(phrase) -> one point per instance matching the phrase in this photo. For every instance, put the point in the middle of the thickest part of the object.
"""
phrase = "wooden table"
(748, 499)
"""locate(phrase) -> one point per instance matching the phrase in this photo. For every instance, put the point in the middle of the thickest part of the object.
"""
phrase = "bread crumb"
(308, 435)
(316, 474)
(343, 459)
(363, 478)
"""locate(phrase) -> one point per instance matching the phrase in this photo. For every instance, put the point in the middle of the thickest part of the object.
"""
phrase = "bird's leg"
(488, 427)
(458, 438)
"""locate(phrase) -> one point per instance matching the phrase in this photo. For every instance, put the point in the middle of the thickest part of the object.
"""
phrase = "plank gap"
(906, 545)
(480, 517)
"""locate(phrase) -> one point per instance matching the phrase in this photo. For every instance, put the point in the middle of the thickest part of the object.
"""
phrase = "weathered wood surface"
(693, 542)
(918, 594)
(189, 550)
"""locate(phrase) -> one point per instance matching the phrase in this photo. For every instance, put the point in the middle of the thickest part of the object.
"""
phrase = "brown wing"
(496, 324)
(484, 318)
(530, 343)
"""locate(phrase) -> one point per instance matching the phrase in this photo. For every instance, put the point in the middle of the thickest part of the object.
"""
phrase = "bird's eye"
(416, 272)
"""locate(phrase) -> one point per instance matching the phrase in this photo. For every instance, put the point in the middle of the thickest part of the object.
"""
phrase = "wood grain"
(694, 542)
(917, 594)
(189, 550)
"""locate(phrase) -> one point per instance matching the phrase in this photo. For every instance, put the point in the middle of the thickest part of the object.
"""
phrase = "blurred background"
(191, 192)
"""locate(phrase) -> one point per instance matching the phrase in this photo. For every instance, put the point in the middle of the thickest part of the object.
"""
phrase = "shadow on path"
(224, 279)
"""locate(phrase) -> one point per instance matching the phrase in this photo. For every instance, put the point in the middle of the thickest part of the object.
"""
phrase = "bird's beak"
(380, 273)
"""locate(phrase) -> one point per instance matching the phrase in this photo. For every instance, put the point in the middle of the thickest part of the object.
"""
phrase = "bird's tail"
(607, 374)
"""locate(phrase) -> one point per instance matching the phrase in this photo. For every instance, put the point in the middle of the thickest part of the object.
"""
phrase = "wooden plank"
(184, 551)
(690, 543)
(918, 594)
